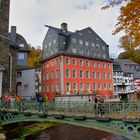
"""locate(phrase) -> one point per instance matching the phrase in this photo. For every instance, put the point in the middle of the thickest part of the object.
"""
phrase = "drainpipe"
(11, 61)
(1, 83)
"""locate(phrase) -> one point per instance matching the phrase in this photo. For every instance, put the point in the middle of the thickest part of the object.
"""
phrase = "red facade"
(67, 75)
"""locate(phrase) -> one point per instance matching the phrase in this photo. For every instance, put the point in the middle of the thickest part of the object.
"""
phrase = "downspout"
(11, 61)
(1, 83)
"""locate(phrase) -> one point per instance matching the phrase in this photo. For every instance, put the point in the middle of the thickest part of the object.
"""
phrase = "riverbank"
(34, 130)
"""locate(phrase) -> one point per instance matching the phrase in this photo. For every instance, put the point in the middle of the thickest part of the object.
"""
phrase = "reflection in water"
(70, 132)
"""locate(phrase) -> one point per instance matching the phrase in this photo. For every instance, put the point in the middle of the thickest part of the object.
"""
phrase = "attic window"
(87, 43)
(21, 45)
(89, 32)
(80, 41)
(80, 34)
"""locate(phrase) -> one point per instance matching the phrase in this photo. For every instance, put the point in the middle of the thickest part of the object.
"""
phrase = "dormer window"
(93, 44)
(54, 41)
(87, 43)
(80, 41)
(97, 45)
(21, 45)
(50, 43)
(81, 51)
(73, 40)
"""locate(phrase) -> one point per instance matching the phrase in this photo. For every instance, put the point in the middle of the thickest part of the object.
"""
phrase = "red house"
(75, 63)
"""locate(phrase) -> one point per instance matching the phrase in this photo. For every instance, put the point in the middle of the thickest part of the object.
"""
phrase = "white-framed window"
(104, 75)
(67, 61)
(74, 74)
(80, 41)
(74, 61)
(109, 66)
(57, 73)
(52, 63)
(87, 74)
(74, 86)
(110, 86)
(109, 75)
(47, 76)
(81, 74)
(94, 74)
(67, 86)
(94, 86)
(81, 62)
(47, 65)
(81, 86)
(48, 88)
(105, 86)
(57, 87)
(52, 87)
(98, 64)
(56, 61)
(21, 56)
(67, 73)
(88, 86)
(44, 88)
(99, 86)
(104, 65)
(93, 64)
(99, 75)
(52, 75)
(87, 63)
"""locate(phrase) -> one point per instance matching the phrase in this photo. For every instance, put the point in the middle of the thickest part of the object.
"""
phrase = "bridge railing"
(115, 110)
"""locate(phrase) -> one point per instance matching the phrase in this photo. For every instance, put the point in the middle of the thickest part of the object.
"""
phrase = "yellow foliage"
(129, 19)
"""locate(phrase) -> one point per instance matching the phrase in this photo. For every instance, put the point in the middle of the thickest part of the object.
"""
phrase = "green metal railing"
(114, 110)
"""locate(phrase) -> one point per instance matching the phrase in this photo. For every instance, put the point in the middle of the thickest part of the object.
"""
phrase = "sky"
(30, 16)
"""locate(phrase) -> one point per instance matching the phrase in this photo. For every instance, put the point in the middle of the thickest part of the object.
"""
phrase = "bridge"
(121, 118)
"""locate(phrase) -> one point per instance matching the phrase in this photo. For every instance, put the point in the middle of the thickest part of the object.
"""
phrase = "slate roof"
(59, 31)
(124, 67)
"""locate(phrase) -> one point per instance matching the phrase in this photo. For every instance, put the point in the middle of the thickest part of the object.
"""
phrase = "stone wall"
(4, 42)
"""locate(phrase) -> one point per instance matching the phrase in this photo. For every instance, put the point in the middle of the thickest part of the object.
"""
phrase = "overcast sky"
(30, 16)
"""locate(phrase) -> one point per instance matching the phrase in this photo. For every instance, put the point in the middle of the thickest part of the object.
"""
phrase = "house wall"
(27, 87)
(48, 81)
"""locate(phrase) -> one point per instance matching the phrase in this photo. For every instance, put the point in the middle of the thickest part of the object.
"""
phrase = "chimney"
(13, 34)
(64, 27)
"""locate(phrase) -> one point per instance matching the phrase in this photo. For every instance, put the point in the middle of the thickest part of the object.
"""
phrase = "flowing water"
(70, 132)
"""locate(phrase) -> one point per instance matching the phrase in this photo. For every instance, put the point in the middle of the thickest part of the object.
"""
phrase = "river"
(70, 132)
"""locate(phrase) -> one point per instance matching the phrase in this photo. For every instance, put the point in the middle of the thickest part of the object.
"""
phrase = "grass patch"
(35, 129)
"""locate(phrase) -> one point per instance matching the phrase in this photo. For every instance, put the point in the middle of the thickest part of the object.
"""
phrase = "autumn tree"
(125, 43)
(128, 20)
(133, 55)
(34, 57)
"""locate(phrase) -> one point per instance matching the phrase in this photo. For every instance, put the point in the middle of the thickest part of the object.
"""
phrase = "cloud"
(30, 16)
